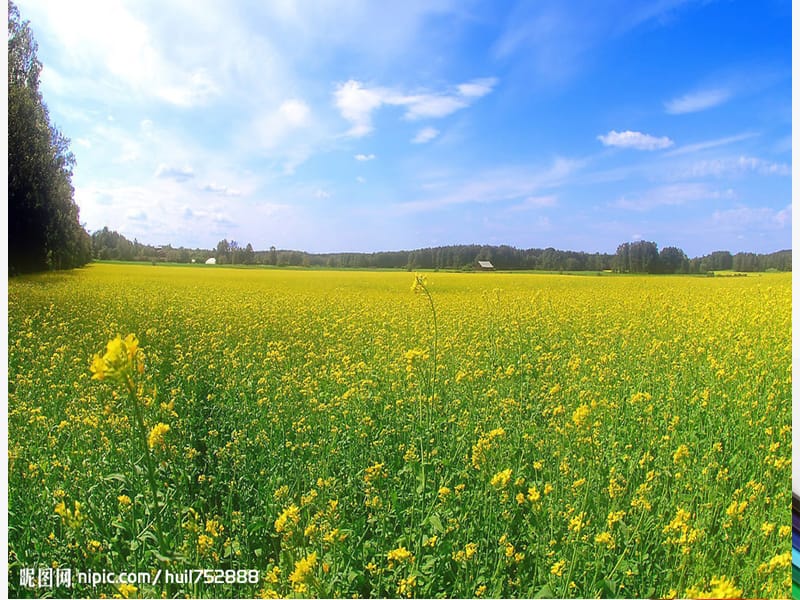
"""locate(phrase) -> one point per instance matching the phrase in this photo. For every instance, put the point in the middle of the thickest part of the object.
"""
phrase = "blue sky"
(348, 125)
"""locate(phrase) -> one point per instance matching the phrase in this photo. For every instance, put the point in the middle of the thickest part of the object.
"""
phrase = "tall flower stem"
(419, 286)
(435, 340)
(149, 465)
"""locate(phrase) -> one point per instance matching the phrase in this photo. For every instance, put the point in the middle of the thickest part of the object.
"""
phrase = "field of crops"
(551, 436)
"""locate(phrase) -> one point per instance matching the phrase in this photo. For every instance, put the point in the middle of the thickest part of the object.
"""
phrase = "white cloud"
(177, 173)
(222, 190)
(697, 101)
(499, 185)
(699, 146)
(477, 87)
(424, 135)
(136, 215)
(634, 139)
(360, 179)
(294, 112)
(672, 195)
(746, 218)
(364, 157)
(118, 56)
(274, 134)
(356, 102)
(719, 167)
(429, 106)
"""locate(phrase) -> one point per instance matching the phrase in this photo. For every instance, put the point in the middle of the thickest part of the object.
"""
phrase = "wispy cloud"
(555, 38)
(424, 135)
(165, 171)
(672, 195)
(746, 218)
(634, 139)
(697, 101)
(477, 87)
(535, 203)
(364, 157)
(120, 56)
(715, 143)
(719, 167)
(356, 102)
(499, 185)
(222, 190)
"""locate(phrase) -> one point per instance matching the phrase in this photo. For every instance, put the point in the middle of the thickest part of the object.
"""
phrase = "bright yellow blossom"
(303, 572)
(721, 587)
(122, 357)
(157, 434)
(399, 555)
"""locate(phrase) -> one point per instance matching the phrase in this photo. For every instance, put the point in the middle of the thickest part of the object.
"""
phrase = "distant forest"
(633, 257)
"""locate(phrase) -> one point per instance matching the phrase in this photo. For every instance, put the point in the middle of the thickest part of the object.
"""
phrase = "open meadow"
(312, 433)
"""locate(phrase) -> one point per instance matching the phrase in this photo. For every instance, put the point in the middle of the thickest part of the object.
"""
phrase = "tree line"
(631, 257)
(44, 231)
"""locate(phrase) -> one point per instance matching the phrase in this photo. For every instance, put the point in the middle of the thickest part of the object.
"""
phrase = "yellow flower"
(406, 586)
(290, 515)
(470, 550)
(124, 501)
(721, 587)
(302, 572)
(779, 561)
(214, 528)
(444, 492)
(558, 568)
(204, 543)
(373, 472)
(156, 436)
(273, 574)
(681, 453)
(72, 517)
(126, 590)
(121, 358)
(615, 517)
(577, 523)
(418, 284)
(605, 539)
(399, 555)
(580, 414)
(501, 479)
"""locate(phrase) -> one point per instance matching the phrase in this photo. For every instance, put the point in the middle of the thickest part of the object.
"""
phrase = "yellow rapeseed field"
(318, 433)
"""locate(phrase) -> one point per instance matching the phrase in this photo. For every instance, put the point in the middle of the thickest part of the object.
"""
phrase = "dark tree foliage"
(44, 231)
(637, 257)
(672, 260)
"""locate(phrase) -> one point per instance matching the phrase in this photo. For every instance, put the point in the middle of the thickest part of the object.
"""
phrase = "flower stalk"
(122, 360)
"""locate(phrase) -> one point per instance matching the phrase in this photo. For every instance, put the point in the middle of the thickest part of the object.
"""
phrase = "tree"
(43, 219)
(672, 260)
(223, 252)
